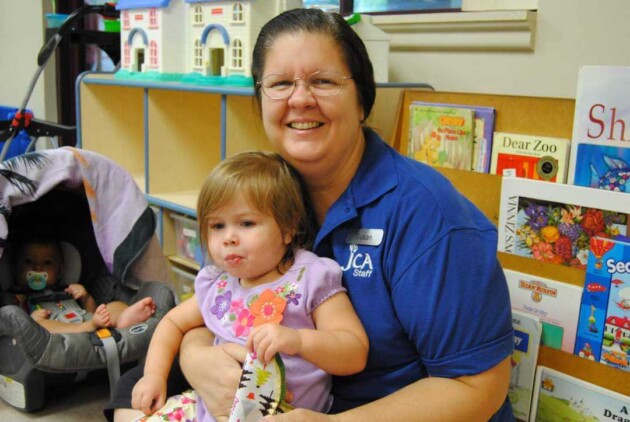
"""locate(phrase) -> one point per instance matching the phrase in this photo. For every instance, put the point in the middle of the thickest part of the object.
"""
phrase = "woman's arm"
(213, 371)
(338, 345)
(469, 398)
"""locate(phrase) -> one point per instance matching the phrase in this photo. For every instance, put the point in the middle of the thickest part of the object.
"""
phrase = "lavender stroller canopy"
(90, 202)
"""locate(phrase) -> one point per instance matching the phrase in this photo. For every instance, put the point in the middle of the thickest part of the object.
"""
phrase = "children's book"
(483, 130)
(557, 304)
(441, 136)
(561, 397)
(554, 223)
(602, 166)
(527, 332)
(602, 118)
(531, 157)
(604, 326)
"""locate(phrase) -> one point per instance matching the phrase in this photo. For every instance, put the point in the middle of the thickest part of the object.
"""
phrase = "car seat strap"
(107, 338)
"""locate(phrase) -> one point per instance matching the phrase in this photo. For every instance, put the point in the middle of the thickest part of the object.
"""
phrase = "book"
(441, 136)
(532, 157)
(483, 131)
(602, 117)
(527, 334)
(557, 304)
(554, 223)
(561, 397)
(604, 325)
(602, 166)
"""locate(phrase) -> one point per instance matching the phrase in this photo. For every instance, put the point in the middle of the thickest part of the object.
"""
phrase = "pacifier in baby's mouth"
(37, 280)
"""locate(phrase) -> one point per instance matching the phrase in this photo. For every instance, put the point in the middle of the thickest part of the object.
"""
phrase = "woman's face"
(306, 129)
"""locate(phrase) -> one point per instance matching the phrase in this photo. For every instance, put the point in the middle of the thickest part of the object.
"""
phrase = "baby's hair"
(272, 187)
(41, 240)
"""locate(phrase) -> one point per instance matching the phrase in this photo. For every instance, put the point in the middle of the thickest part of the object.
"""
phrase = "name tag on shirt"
(369, 237)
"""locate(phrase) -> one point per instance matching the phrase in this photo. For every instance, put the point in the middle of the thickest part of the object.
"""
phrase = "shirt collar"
(375, 176)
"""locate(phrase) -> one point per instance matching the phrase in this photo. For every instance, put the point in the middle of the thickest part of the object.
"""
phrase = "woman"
(419, 260)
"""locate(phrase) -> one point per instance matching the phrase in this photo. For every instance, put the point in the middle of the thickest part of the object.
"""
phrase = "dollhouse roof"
(141, 4)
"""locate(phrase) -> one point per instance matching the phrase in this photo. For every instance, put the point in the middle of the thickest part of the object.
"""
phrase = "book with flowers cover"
(557, 304)
(554, 222)
(600, 144)
(604, 324)
(527, 332)
(441, 136)
(561, 397)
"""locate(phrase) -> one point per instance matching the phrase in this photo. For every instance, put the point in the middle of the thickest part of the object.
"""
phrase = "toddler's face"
(39, 266)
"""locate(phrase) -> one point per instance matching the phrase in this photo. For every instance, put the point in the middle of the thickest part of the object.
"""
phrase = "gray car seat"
(32, 358)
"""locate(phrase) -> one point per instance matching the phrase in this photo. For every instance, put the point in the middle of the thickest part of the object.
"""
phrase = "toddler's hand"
(149, 394)
(268, 339)
(77, 291)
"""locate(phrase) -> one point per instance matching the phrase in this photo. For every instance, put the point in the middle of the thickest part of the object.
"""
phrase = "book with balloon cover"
(604, 324)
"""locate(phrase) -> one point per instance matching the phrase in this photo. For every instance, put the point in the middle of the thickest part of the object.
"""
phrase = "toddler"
(264, 290)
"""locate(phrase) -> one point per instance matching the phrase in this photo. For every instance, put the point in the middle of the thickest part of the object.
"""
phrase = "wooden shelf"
(534, 116)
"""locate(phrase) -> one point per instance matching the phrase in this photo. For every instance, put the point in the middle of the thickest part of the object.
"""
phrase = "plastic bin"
(183, 283)
(186, 237)
(20, 141)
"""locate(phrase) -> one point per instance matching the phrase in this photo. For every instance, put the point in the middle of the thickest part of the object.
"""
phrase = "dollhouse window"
(198, 54)
(153, 21)
(237, 12)
(126, 54)
(198, 16)
(125, 20)
(237, 54)
(153, 54)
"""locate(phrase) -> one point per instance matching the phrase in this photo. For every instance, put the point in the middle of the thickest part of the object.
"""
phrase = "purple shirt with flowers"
(230, 311)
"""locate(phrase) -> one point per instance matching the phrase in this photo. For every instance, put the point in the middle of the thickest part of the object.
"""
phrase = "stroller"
(108, 236)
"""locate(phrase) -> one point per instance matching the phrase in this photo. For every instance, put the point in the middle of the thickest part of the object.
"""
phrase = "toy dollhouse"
(152, 35)
(196, 41)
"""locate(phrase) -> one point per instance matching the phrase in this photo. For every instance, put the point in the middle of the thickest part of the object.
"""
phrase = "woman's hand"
(213, 371)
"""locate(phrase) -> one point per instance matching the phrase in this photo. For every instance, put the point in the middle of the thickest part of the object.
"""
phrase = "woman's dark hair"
(332, 25)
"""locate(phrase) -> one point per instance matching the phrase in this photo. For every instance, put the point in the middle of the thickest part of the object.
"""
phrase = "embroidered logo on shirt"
(359, 263)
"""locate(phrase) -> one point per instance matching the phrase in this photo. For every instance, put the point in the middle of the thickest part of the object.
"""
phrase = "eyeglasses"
(323, 83)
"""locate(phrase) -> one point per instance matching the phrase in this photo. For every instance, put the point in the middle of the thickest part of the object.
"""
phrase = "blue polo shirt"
(419, 262)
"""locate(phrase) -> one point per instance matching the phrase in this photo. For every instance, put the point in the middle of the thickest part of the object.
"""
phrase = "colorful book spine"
(531, 157)
(441, 136)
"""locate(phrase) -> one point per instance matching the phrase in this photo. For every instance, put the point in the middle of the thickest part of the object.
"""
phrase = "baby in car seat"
(39, 266)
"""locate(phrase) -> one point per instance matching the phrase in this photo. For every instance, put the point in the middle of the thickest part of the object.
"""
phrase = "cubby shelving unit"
(168, 136)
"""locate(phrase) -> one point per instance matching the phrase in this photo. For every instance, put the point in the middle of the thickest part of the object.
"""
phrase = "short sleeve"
(323, 280)
(204, 280)
(460, 318)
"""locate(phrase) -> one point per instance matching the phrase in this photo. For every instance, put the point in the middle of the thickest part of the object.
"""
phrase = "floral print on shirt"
(242, 314)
